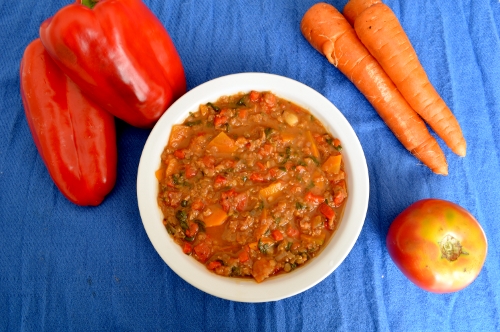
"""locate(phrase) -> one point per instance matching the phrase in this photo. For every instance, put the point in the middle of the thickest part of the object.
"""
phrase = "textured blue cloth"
(70, 268)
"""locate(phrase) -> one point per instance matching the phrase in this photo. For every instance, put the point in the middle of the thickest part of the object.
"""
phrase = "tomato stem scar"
(451, 248)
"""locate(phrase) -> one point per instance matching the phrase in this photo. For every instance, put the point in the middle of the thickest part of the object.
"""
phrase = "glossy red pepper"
(120, 55)
(76, 138)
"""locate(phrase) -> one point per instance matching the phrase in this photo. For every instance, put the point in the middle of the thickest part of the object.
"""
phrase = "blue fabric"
(70, 268)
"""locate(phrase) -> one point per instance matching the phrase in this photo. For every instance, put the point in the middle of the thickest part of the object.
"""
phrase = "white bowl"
(277, 287)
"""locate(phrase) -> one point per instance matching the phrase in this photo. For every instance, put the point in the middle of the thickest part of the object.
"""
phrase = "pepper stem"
(90, 3)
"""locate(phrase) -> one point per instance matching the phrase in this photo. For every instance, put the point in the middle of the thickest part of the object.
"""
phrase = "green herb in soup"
(251, 185)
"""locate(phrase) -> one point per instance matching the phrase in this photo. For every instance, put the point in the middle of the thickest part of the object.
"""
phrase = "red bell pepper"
(75, 138)
(120, 55)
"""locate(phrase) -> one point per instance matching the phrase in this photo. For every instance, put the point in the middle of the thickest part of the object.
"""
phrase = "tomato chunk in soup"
(251, 185)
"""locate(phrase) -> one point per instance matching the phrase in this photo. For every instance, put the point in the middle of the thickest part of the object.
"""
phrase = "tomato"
(438, 245)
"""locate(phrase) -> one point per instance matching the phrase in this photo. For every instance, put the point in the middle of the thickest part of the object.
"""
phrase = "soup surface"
(251, 185)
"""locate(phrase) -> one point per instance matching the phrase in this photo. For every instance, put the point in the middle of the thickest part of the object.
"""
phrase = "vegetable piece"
(75, 138)
(272, 189)
(197, 205)
(180, 154)
(287, 137)
(254, 96)
(171, 167)
(332, 164)
(220, 120)
(202, 251)
(312, 198)
(256, 177)
(213, 265)
(192, 123)
(265, 245)
(226, 199)
(242, 114)
(329, 33)
(179, 136)
(292, 232)
(219, 179)
(263, 268)
(317, 221)
(134, 79)
(159, 174)
(317, 239)
(277, 235)
(253, 245)
(192, 230)
(187, 248)
(182, 217)
(277, 172)
(327, 211)
(319, 182)
(243, 256)
(291, 119)
(214, 107)
(223, 143)
(266, 150)
(201, 225)
(438, 245)
(380, 31)
(241, 201)
(216, 218)
(354, 7)
(314, 147)
(190, 171)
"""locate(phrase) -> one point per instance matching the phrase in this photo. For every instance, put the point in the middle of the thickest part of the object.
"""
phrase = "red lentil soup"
(251, 185)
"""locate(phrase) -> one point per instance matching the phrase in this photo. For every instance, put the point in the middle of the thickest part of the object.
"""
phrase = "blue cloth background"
(70, 268)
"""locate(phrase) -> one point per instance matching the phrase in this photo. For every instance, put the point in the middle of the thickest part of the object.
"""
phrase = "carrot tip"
(441, 170)
(461, 150)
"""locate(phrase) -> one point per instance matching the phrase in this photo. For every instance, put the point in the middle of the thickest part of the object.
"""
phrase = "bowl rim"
(277, 287)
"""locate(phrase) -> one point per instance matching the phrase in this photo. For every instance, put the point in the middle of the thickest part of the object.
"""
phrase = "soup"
(251, 185)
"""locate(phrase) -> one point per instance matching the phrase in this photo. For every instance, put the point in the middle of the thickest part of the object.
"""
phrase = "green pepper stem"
(90, 3)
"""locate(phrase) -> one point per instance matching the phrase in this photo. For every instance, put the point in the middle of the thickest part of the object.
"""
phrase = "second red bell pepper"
(120, 55)
(75, 138)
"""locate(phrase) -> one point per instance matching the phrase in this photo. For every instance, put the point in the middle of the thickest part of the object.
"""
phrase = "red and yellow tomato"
(438, 245)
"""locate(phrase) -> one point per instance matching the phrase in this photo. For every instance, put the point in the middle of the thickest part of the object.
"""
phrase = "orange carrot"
(354, 7)
(329, 32)
(382, 34)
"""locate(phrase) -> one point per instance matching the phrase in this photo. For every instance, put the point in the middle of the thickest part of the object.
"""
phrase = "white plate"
(278, 287)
